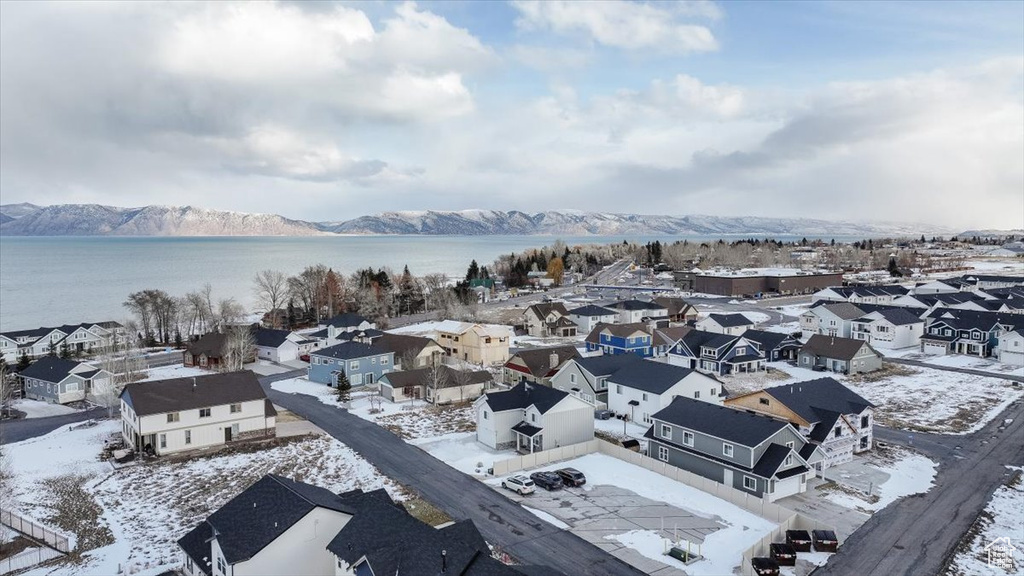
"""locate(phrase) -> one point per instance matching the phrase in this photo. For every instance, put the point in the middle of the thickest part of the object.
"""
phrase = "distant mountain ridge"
(98, 220)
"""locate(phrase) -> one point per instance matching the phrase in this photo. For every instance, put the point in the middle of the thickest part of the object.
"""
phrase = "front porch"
(528, 438)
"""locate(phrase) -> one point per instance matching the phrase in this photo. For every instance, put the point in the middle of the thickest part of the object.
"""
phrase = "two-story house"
(589, 316)
(774, 346)
(537, 365)
(85, 338)
(715, 353)
(732, 324)
(965, 331)
(829, 319)
(642, 388)
(59, 381)
(826, 412)
(484, 344)
(411, 351)
(638, 311)
(532, 418)
(889, 329)
(749, 452)
(588, 376)
(167, 416)
(860, 294)
(843, 355)
(362, 364)
(1011, 347)
(546, 319)
(679, 310)
(621, 339)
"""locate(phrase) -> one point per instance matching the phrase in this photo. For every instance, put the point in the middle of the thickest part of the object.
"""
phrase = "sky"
(873, 111)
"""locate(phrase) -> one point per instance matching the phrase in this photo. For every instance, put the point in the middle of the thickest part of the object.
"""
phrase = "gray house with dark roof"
(59, 381)
(716, 353)
(825, 411)
(588, 376)
(843, 355)
(179, 414)
(532, 418)
(640, 389)
(363, 364)
(732, 324)
(746, 451)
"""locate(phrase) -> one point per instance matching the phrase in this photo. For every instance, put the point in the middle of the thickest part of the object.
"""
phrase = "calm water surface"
(47, 281)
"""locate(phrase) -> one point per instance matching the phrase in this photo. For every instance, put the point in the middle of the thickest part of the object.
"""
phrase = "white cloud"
(622, 24)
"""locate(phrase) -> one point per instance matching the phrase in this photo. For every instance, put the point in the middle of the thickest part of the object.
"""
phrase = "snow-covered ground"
(908, 473)
(722, 550)
(140, 511)
(174, 371)
(300, 385)
(956, 361)
(40, 409)
(461, 451)
(909, 397)
(1003, 517)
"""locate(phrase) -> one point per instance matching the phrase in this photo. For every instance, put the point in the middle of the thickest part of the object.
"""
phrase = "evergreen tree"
(344, 388)
(65, 352)
(177, 339)
(23, 361)
(51, 350)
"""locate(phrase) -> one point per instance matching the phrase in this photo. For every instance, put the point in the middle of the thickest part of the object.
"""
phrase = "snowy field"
(957, 361)
(907, 473)
(1003, 517)
(722, 550)
(111, 515)
(174, 371)
(40, 409)
(324, 393)
(461, 451)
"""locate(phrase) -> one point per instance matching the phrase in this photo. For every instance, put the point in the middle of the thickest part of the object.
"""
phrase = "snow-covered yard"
(461, 451)
(130, 518)
(889, 474)
(174, 371)
(324, 393)
(1003, 517)
(40, 409)
(721, 549)
(957, 361)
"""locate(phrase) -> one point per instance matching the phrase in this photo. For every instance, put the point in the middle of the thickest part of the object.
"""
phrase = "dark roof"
(527, 429)
(636, 305)
(607, 364)
(810, 398)
(211, 344)
(650, 376)
(523, 395)
(187, 393)
(768, 340)
(669, 336)
(620, 330)
(673, 305)
(345, 320)
(50, 369)
(770, 460)
(695, 339)
(270, 338)
(350, 350)
(538, 360)
(445, 379)
(256, 517)
(807, 451)
(393, 542)
(976, 319)
(591, 310)
(542, 309)
(833, 346)
(824, 426)
(844, 310)
(731, 320)
(319, 334)
(898, 316)
(728, 424)
(401, 344)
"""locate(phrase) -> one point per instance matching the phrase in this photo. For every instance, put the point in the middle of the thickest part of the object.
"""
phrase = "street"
(23, 429)
(503, 523)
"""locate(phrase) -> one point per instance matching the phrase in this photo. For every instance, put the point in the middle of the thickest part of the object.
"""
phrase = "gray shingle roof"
(542, 309)
(726, 423)
(401, 344)
(608, 364)
(270, 338)
(731, 320)
(844, 310)
(538, 360)
(769, 341)
(178, 394)
(809, 398)
(636, 305)
(620, 330)
(211, 344)
(447, 377)
(650, 376)
(833, 346)
(591, 311)
(346, 320)
(350, 350)
(50, 369)
(523, 395)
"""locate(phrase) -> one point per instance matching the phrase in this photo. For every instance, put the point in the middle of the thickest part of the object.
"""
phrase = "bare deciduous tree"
(271, 287)
(125, 365)
(239, 348)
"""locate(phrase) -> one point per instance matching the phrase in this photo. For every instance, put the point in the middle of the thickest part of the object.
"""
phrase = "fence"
(787, 519)
(34, 531)
(27, 559)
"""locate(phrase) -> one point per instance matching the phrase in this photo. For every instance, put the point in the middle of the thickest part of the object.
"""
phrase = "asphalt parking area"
(602, 511)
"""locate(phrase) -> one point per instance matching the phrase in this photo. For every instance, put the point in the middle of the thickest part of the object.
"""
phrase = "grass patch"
(426, 512)
(888, 370)
(430, 421)
(73, 510)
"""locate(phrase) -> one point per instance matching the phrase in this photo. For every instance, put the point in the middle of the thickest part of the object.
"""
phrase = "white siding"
(302, 549)
(205, 432)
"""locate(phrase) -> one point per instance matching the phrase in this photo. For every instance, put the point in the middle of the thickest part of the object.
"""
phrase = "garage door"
(935, 349)
(786, 487)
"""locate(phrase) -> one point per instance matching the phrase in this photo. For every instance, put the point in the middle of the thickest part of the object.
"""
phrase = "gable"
(756, 401)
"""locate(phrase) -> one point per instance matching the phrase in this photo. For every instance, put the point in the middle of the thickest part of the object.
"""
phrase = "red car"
(304, 357)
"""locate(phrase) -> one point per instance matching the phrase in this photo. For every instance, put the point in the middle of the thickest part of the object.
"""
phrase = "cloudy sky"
(903, 111)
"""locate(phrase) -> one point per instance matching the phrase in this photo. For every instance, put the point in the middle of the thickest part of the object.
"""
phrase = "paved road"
(918, 534)
(955, 369)
(25, 428)
(502, 522)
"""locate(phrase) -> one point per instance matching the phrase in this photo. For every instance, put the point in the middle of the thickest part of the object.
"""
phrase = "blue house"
(363, 364)
(621, 339)
(714, 353)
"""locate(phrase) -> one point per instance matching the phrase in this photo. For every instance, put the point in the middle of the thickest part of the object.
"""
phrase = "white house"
(889, 329)
(632, 311)
(947, 286)
(589, 316)
(1011, 347)
(640, 389)
(829, 319)
(277, 345)
(732, 324)
(179, 414)
(84, 338)
(532, 418)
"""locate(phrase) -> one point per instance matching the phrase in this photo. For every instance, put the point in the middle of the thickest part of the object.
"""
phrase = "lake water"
(47, 281)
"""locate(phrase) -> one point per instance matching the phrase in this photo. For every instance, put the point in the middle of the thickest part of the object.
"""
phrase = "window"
(353, 365)
(384, 361)
(220, 566)
(764, 401)
(663, 453)
(373, 361)
(838, 431)
(750, 483)
(486, 415)
(572, 378)
(789, 444)
(788, 461)
(618, 388)
(533, 417)
(71, 387)
(713, 392)
(687, 438)
(727, 449)
(666, 431)
(645, 396)
(696, 394)
(173, 417)
(204, 412)
(235, 408)
(163, 440)
(864, 421)
(740, 351)
(188, 436)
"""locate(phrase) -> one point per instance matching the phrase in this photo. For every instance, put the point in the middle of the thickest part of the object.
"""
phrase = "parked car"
(547, 480)
(520, 484)
(603, 414)
(571, 477)
(304, 357)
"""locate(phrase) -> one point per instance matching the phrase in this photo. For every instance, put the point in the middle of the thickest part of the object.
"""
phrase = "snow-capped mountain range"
(94, 219)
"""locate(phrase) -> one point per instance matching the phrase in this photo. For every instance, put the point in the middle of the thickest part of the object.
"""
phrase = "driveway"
(25, 428)
(503, 523)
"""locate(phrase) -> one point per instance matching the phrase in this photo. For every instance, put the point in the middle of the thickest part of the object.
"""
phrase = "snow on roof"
(723, 272)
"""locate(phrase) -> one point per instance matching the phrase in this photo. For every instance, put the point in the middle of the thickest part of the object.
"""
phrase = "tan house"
(485, 344)
(417, 351)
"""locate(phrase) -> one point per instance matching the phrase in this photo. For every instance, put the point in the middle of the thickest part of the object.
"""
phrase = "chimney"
(552, 360)
(444, 561)
(193, 383)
